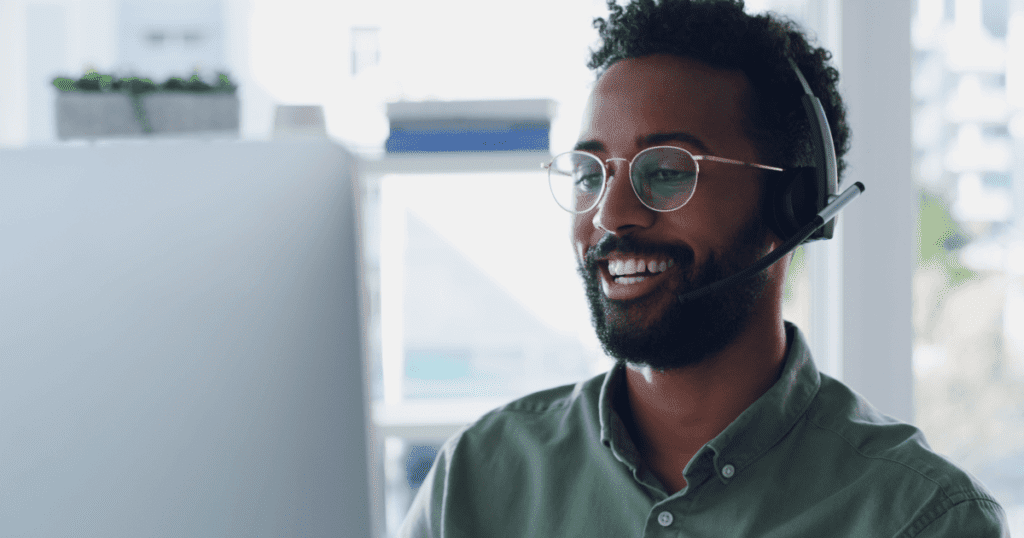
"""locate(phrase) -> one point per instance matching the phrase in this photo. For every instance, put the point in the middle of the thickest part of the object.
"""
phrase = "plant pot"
(92, 115)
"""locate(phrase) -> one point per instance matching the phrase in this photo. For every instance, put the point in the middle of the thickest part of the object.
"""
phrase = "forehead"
(637, 97)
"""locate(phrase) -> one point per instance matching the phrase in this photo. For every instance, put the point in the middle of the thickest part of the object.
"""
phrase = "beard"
(685, 334)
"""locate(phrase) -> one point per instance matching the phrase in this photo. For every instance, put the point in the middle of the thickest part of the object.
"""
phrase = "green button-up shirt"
(809, 458)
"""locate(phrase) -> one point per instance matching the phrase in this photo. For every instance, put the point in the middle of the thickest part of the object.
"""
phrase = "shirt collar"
(756, 430)
(773, 415)
(614, 434)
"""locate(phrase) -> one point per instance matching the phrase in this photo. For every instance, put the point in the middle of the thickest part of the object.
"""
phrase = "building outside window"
(968, 289)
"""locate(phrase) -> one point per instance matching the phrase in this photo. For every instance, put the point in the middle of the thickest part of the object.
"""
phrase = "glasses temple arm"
(740, 163)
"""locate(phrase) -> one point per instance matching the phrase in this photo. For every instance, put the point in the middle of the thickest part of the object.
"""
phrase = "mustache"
(682, 254)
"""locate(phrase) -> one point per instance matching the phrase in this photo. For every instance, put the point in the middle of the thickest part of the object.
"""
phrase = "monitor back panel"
(180, 343)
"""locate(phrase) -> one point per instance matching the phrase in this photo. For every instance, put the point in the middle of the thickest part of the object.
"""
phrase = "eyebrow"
(656, 139)
(588, 145)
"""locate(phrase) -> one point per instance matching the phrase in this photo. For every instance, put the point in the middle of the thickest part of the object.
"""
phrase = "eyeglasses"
(663, 177)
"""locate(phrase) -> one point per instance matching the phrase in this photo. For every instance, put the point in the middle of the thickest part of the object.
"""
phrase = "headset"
(801, 204)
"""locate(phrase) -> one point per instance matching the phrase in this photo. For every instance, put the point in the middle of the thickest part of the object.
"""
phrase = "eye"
(668, 175)
(588, 180)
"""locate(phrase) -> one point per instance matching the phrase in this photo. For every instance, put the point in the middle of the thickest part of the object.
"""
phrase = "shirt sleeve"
(423, 520)
(980, 518)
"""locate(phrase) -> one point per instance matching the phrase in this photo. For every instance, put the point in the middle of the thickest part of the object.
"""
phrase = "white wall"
(42, 39)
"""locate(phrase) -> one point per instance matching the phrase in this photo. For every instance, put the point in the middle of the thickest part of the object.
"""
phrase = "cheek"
(579, 233)
(727, 208)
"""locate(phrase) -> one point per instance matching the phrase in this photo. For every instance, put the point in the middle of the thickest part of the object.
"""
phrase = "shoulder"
(509, 458)
(871, 436)
(538, 418)
(928, 490)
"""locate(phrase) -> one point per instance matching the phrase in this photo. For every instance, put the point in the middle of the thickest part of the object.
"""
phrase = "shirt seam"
(897, 462)
(920, 524)
(948, 501)
(537, 408)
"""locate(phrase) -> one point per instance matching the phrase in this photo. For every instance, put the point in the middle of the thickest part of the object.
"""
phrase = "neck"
(676, 412)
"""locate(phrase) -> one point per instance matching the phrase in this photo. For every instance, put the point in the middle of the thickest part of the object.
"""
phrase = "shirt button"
(665, 519)
(728, 471)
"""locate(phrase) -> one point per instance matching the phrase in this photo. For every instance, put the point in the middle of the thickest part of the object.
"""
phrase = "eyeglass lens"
(663, 178)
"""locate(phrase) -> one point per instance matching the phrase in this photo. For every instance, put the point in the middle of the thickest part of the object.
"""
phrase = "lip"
(620, 292)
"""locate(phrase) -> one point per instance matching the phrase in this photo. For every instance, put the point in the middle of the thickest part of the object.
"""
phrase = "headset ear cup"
(777, 209)
(791, 201)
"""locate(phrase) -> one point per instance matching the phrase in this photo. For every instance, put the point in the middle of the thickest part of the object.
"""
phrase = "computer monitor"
(180, 341)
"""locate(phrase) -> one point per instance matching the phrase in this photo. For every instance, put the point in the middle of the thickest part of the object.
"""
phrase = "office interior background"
(472, 294)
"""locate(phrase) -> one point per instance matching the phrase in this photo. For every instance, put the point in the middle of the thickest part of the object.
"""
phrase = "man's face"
(655, 101)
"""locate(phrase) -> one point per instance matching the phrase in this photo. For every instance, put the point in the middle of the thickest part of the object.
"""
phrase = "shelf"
(430, 419)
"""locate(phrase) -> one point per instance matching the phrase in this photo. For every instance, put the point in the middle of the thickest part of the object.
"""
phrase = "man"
(715, 421)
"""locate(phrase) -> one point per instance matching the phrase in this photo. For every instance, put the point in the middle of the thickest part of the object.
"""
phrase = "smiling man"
(714, 421)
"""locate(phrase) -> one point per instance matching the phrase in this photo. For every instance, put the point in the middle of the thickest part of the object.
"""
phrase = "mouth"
(625, 278)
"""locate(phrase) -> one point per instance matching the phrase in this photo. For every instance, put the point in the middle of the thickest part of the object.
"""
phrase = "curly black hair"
(719, 33)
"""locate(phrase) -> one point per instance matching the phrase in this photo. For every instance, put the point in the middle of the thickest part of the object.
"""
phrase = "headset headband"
(801, 192)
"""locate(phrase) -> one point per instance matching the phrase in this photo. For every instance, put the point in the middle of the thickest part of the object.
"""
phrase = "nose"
(620, 211)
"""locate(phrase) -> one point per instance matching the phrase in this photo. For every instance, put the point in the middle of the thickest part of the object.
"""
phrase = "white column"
(46, 57)
(824, 258)
(877, 235)
(825, 333)
(392, 290)
(14, 67)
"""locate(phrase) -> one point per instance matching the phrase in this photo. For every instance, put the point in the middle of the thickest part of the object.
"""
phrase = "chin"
(659, 331)
(665, 334)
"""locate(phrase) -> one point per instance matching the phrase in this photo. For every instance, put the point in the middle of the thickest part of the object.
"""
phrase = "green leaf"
(92, 81)
(940, 236)
(65, 84)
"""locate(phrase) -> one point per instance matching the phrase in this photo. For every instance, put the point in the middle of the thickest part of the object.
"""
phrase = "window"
(479, 303)
(968, 357)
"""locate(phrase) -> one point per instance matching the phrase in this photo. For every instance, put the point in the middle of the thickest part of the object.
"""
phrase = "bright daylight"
(298, 268)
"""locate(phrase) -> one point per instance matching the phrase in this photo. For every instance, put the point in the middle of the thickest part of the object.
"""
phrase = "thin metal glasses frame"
(604, 171)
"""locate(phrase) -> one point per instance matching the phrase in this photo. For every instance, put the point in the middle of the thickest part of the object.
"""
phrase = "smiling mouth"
(630, 278)
(635, 270)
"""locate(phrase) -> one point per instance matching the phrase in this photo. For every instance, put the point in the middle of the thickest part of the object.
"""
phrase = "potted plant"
(100, 106)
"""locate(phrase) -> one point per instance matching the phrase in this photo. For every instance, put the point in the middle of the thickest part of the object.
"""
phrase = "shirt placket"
(665, 517)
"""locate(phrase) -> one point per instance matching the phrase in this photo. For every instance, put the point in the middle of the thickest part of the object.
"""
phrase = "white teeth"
(618, 268)
(630, 279)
